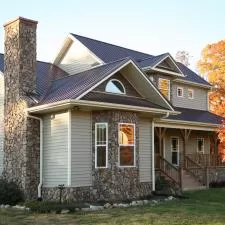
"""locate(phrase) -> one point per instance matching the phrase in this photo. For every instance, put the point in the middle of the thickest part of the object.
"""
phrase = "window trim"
(168, 88)
(106, 164)
(134, 145)
(123, 93)
(180, 96)
(192, 90)
(178, 150)
(203, 141)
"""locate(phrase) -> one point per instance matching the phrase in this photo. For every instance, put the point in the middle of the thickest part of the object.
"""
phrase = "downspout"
(41, 151)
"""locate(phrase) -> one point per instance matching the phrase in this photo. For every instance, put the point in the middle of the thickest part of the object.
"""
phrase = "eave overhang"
(93, 105)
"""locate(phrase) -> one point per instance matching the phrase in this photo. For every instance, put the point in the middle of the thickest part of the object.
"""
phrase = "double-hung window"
(101, 145)
(126, 144)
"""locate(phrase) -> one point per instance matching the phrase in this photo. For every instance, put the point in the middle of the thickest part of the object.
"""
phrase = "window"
(126, 144)
(200, 145)
(115, 86)
(180, 92)
(164, 87)
(175, 150)
(101, 145)
(190, 93)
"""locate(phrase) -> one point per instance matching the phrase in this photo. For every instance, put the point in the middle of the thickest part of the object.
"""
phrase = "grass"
(201, 207)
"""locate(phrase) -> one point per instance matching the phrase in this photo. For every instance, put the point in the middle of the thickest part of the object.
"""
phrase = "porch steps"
(190, 183)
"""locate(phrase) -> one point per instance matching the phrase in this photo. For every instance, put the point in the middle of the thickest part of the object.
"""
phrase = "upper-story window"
(190, 93)
(164, 87)
(180, 92)
(115, 86)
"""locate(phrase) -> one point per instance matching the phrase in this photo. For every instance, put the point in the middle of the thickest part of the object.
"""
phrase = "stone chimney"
(21, 143)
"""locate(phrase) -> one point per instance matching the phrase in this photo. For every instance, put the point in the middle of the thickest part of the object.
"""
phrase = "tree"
(183, 57)
(212, 67)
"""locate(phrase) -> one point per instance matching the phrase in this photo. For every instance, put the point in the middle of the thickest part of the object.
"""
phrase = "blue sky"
(150, 26)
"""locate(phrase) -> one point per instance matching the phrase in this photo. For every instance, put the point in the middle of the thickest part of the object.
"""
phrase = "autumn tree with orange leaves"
(212, 67)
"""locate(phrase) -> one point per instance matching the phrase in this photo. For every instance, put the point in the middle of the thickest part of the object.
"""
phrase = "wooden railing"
(195, 169)
(169, 170)
(207, 160)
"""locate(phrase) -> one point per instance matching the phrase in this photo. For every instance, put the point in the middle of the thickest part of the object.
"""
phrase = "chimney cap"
(22, 19)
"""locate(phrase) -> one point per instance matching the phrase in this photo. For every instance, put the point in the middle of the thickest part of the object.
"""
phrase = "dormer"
(164, 64)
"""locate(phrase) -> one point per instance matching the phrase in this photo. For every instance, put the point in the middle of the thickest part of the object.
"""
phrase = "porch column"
(160, 133)
(185, 136)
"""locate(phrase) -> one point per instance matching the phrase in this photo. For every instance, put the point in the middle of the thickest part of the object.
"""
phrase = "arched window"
(115, 86)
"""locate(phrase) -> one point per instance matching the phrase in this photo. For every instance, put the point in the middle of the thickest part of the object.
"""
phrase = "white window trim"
(192, 90)
(106, 164)
(180, 96)
(134, 145)
(168, 88)
(203, 141)
(118, 82)
(178, 150)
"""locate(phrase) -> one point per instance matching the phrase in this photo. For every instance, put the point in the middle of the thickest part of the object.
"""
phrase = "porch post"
(160, 132)
(185, 136)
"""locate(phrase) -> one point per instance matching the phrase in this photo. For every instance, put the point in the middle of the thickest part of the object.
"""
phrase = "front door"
(175, 150)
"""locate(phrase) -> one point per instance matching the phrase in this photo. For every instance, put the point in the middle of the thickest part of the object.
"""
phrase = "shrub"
(217, 184)
(10, 193)
(46, 207)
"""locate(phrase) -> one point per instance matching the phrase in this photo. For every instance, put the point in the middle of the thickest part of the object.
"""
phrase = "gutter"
(72, 103)
(41, 151)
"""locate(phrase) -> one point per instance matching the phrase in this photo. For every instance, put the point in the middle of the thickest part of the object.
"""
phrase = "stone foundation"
(216, 174)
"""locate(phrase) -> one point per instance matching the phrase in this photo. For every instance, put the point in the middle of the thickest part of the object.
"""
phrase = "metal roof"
(1, 62)
(120, 99)
(73, 86)
(108, 52)
(194, 115)
(191, 75)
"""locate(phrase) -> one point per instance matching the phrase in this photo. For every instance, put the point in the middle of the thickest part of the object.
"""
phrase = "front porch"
(189, 157)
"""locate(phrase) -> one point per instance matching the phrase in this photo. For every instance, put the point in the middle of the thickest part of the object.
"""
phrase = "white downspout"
(41, 152)
(153, 157)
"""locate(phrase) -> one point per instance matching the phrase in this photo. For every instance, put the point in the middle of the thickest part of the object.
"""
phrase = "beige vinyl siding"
(81, 149)
(145, 150)
(200, 100)
(55, 150)
(1, 121)
(191, 147)
(77, 59)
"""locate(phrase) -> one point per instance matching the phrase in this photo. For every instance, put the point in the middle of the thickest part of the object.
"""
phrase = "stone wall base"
(91, 194)
(216, 174)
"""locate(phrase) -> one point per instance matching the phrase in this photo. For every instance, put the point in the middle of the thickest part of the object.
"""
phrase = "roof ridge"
(105, 64)
(110, 44)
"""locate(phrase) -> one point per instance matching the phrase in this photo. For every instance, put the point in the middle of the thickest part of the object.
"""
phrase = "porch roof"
(194, 115)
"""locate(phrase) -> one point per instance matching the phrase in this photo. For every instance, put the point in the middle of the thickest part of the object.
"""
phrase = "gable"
(167, 65)
(74, 57)
(129, 88)
(139, 80)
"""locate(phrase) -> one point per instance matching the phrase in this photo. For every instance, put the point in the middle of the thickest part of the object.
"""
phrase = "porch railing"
(195, 169)
(169, 170)
(207, 160)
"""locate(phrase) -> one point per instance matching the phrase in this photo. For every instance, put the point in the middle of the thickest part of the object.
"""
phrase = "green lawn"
(202, 207)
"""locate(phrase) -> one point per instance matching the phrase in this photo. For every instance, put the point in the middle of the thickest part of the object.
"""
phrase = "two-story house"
(101, 119)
